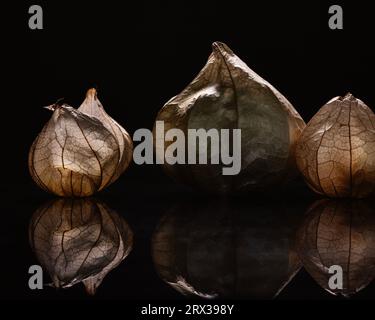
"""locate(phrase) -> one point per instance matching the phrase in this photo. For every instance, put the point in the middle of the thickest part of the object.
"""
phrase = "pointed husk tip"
(221, 47)
(348, 96)
(91, 93)
(55, 105)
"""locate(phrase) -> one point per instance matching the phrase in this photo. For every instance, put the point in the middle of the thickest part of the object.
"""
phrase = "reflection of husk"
(79, 240)
(339, 233)
(227, 94)
(220, 250)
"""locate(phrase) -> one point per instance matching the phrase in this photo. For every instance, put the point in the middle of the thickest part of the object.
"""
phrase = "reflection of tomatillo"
(339, 233)
(79, 240)
(226, 250)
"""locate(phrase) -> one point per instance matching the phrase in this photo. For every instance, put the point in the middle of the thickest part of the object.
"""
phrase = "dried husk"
(79, 152)
(93, 107)
(227, 94)
(79, 240)
(336, 151)
(339, 233)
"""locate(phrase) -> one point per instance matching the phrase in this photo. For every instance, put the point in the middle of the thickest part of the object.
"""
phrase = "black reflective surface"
(188, 245)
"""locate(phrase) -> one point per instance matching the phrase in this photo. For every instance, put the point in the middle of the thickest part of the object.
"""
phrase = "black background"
(139, 55)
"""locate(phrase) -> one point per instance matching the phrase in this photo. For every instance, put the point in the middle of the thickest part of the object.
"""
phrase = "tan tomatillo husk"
(79, 240)
(339, 234)
(227, 94)
(335, 153)
(79, 152)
